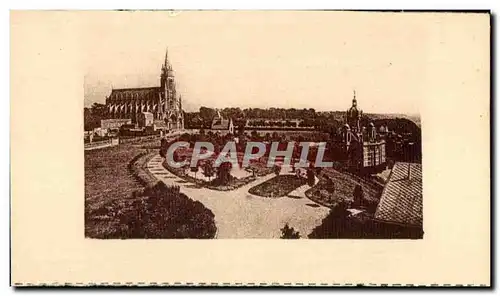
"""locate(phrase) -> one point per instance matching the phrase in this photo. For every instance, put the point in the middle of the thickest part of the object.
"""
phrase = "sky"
(247, 59)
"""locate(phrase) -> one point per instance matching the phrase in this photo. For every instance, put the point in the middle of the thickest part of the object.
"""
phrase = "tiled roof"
(159, 123)
(135, 93)
(220, 124)
(401, 200)
(115, 122)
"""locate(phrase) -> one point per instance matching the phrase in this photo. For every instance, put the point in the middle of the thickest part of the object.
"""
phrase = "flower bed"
(278, 186)
(233, 183)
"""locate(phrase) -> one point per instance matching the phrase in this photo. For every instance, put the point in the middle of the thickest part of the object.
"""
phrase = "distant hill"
(377, 116)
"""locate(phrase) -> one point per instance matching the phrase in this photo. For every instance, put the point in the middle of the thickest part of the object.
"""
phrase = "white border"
(179, 5)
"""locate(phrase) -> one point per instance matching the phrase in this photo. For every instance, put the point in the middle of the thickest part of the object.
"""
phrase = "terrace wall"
(101, 144)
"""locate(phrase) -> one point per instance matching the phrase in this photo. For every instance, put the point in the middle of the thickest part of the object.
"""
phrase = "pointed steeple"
(166, 58)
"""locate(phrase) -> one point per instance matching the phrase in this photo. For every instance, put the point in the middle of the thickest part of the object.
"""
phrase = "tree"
(163, 147)
(340, 210)
(241, 128)
(277, 169)
(310, 177)
(92, 116)
(208, 169)
(358, 196)
(288, 232)
(254, 135)
(207, 115)
(224, 173)
(318, 170)
(329, 186)
(88, 120)
(194, 169)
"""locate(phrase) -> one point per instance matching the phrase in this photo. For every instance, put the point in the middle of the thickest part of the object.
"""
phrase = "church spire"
(166, 58)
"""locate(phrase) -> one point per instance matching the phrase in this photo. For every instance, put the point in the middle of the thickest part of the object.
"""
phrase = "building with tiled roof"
(221, 124)
(161, 101)
(401, 199)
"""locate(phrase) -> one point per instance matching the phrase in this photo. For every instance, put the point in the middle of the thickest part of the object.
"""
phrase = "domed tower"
(353, 116)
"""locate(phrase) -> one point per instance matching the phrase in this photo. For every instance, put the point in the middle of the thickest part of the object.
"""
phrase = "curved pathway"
(239, 214)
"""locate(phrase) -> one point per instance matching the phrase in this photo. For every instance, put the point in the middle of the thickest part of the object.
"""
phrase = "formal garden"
(205, 174)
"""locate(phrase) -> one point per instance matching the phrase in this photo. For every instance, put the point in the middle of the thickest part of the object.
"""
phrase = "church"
(160, 101)
(364, 149)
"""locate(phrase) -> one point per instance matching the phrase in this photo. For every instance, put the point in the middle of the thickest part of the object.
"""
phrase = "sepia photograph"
(250, 148)
(252, 131)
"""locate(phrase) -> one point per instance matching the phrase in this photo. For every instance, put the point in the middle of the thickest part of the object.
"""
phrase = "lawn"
(107, 175)
(278, 186)
(108, 180)
(344, 185)
(118, 186)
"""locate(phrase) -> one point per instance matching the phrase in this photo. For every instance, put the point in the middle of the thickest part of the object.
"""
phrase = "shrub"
(194, 170)
(165, 212)
(224, 173)
(277, 169)
(288, 232)
(208, 169)
(310, 177)
(358, 196)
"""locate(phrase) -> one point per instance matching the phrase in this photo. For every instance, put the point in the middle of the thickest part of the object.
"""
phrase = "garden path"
(239, 214)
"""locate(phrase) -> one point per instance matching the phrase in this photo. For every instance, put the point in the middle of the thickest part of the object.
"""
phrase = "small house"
(220, 124)
(145, 119)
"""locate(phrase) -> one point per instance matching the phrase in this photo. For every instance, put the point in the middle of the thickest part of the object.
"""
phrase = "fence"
(101, 144)
(132, 140)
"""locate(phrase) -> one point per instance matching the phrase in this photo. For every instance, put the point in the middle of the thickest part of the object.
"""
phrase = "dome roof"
(371, 124)
(346, 126)
(353, 111)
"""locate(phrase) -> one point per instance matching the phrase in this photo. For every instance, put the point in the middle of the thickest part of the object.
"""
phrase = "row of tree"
(92, 116)
(279, 117)
(268, 113)
(286, 123)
